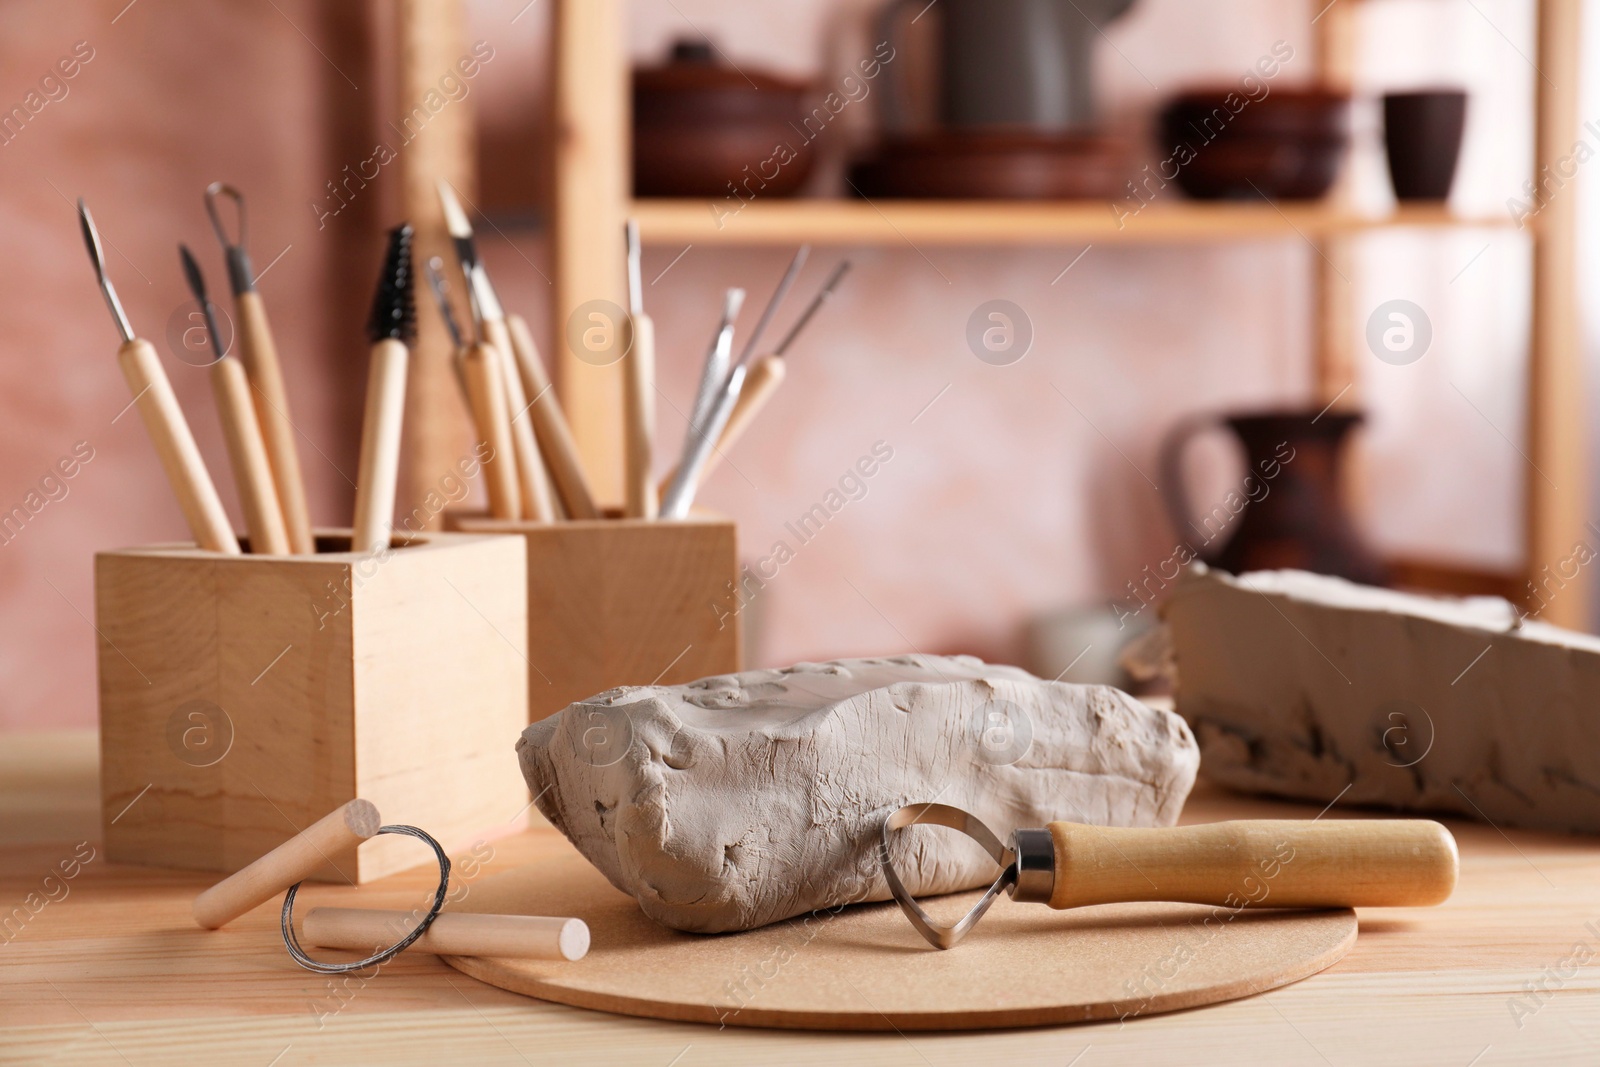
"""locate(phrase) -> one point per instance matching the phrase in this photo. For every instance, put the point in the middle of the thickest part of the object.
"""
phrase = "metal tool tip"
(97, 256)
(191, 272)
(223, 189)
(394, 306)
(732, 304)
(455, 219)
(91, 238)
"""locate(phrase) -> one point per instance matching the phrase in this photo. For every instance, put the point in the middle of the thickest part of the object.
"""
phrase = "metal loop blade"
(944, 815)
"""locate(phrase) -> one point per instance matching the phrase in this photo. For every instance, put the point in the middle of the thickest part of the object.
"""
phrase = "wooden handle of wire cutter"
(550, 424)
(523, 937)
(260, 357)
(333, 835)
(765, 376)
(381, 428)
(481, 364)
(639, 418)
(180, 456)
(252, 472)
(1323, 863)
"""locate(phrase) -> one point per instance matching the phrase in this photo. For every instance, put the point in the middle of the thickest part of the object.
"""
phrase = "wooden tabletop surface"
(108, 968)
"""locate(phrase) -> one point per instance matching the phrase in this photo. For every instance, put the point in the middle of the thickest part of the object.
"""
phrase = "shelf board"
(919, 222)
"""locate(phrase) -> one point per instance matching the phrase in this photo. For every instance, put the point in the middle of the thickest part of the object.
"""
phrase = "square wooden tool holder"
(244, 697)
(623, 602)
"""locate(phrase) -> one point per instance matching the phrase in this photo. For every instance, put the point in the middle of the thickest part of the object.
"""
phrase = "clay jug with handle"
(1023, 64)
(1286, 511)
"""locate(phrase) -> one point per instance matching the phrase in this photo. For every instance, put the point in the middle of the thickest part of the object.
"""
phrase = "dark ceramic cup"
(1422, 133)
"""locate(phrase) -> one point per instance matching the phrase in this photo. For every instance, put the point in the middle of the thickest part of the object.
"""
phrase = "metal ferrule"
(1036, 866)
(241, 276)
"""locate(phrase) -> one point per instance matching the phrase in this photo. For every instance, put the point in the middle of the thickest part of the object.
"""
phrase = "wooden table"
(113, 971)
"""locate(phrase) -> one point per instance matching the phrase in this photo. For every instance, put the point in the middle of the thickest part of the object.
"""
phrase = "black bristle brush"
(392, 328)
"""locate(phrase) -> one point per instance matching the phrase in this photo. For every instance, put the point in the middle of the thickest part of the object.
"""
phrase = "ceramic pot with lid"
(704, 128)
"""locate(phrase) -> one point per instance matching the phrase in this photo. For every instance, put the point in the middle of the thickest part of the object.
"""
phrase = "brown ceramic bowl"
(699, 125)
(1287, 145)
(994, 166)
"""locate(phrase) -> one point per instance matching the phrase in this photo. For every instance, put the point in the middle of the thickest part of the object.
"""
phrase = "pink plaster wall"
(1020, 489)
(177, 94)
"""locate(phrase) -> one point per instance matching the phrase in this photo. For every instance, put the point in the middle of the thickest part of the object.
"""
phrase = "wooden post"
(431, 40)
(1334, 370)
(1556, 499)
(591, 194)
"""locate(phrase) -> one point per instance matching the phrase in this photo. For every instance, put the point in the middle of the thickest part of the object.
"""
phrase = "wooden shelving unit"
(591, 203)
(857, 222)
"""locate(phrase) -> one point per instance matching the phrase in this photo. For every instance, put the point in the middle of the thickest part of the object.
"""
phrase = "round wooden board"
(865, 968)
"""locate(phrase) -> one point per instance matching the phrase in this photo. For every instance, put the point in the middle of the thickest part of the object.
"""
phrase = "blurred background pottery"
(1288, 145)
(1422, 134)
(1021, 165)
(1004, 110)
(699, 125)
(1294, 516)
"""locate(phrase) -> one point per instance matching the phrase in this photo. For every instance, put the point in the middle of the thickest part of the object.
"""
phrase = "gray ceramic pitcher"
(1011, 63)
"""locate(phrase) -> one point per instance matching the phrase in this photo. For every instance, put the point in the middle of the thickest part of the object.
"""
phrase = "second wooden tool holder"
(623, 602)
(244, 697)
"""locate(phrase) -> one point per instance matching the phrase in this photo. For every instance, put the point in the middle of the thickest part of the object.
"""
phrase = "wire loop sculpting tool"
(259, 352)
(1270, 863)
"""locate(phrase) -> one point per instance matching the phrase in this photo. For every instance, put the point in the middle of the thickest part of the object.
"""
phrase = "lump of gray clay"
(1305, 686)
(744, 799)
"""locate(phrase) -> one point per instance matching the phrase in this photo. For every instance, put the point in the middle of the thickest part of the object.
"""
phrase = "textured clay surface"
(744, 799)
(1312, 687)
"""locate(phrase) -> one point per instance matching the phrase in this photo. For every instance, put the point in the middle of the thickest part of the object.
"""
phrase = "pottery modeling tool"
(252, 471)
(440, 286)
(522, 461)
(260, 356)
(293, 861)
(765, 376)
(163, 418)
(714, 372)
(638, 392)
(713, 404)
(1268, 863)
(538, 501)
(391, 330)
(533, 474)
(483, 368)
(796, 265)
(548, 445)
(523, 937)
(550, 423)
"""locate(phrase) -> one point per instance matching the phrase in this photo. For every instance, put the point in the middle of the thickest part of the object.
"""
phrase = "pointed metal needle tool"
(778, 294)
(247, 449)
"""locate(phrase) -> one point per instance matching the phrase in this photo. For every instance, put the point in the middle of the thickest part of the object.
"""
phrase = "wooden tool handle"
(523, 937)
(180, 456)
(296, 859)
(251, 469)
(765, 376)
(1328, 863)
(639, 418)
(533, 478)
(550, 424)
(481, 364)
(260, 356)
(381, 429)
